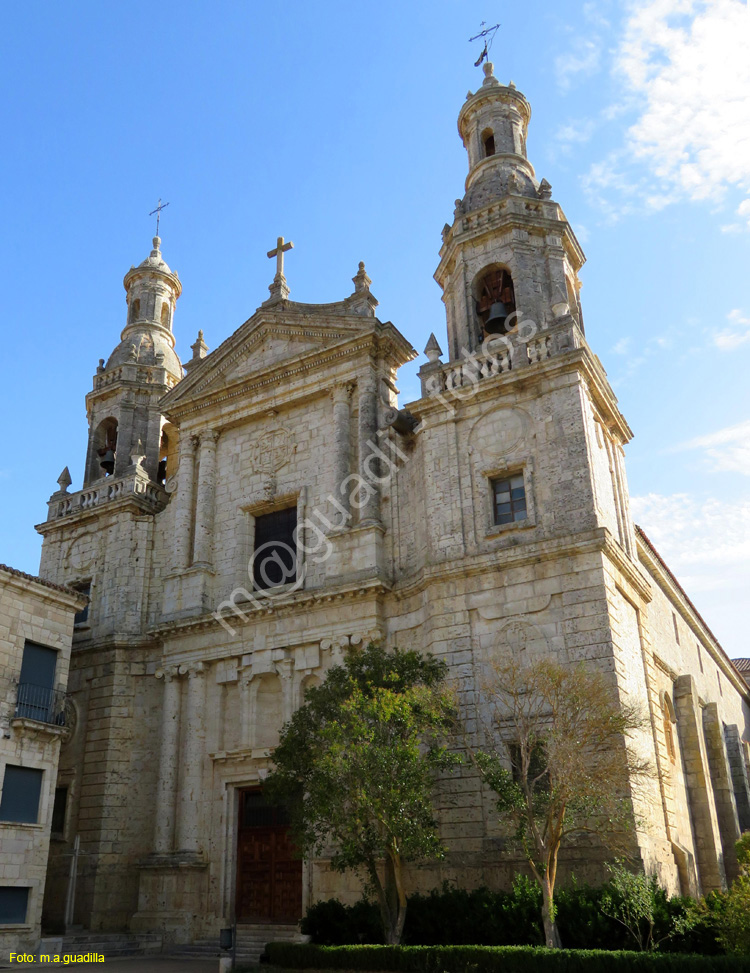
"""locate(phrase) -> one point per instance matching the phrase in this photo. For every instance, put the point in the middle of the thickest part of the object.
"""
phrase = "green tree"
(734, 918)
(559, 760)
(357, 764)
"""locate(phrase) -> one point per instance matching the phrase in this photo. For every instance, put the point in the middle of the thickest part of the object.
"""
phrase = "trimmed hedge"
(493, 959)
(456, 917)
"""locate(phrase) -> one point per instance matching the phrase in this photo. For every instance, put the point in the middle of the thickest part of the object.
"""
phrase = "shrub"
(493, 959)
(450, 916)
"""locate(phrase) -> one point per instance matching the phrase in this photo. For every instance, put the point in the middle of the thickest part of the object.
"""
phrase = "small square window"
(509, 499)
(275, 549)
(21, 789)
(14, 904)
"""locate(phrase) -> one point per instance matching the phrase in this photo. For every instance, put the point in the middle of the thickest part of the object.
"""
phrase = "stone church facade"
(245, 520)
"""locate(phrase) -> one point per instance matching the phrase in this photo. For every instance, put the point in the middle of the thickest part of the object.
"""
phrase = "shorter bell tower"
(123, 411)
(510, 255)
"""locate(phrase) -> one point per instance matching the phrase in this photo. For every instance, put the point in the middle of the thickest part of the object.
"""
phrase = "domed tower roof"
(493, 123)
(152, 290)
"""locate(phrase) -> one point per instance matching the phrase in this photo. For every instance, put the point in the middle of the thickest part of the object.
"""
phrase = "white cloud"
(581, 60)
(706, 543)
(727, 450)
(738, 333)
(579, 130)
(685, 64)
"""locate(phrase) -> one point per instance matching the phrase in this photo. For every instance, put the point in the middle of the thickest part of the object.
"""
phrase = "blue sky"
(335, 125)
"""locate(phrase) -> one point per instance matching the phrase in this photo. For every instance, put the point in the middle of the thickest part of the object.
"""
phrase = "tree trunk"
(396, 897)
(551, 934)
(391, 900)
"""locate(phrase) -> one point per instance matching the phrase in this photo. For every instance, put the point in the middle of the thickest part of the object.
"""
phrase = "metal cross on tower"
(278, 252)
(159, 207)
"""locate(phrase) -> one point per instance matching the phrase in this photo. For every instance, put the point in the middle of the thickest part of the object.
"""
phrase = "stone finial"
(433, 350)
(64, 480)
(361, 280)
(512, 84)
(157, 244)
(199, 348)
(100, 366)
(458, 209)
(489, 73)
(545, 190)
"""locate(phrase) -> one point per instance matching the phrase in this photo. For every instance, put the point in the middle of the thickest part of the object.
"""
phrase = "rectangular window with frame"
(275, 548)
(509, 499)
(14, 905)
(22, 787)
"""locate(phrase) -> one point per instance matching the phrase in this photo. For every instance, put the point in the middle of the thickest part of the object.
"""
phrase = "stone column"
(369, 465)
(188, 822)
(204, 511)
(167, 783)
(340, 515)
(183, 499)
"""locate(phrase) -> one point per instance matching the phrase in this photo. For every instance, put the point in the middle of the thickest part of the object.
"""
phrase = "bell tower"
(510, 255)
(123, 412)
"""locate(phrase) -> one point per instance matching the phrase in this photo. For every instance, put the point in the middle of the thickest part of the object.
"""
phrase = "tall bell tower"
(510, 255)
(123, 412)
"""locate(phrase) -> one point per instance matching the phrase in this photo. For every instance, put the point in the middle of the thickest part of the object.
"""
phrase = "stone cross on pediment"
(279, 289)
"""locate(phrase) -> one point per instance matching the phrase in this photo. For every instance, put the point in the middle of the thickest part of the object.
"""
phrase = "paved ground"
(140, 964)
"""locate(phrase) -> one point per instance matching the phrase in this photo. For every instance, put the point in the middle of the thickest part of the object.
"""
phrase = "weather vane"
(488, 33)
(159, 207)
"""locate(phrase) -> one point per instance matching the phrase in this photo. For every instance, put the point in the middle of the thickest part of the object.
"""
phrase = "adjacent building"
(36, 631)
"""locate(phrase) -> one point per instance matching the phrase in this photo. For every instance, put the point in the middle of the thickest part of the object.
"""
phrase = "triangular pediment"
(261, 346)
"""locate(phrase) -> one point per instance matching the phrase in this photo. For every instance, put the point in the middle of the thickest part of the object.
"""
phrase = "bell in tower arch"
(496, 302)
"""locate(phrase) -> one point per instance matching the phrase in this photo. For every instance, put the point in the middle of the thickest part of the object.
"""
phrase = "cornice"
(282, 606)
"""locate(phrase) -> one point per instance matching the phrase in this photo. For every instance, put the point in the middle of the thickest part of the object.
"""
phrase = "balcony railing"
(41, 704)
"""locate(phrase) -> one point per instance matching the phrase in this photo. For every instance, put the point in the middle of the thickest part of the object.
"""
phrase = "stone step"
(112, 945)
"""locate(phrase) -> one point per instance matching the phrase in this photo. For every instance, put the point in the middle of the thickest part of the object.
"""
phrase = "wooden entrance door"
(269, 872)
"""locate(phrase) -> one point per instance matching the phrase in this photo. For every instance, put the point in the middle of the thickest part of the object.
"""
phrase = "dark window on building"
(58, 810)
(489, 144)
(275, 548)
(37, 682)
(83, 615)
(14, 904)
(509, 499)
(22, 787)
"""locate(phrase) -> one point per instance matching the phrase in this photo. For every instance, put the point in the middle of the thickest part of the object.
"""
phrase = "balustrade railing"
(106, 491)
(40, 703)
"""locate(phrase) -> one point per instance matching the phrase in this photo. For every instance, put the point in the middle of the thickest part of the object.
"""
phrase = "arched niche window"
(488, 142)
(165, 314)
(496, 301)
(167, 453)
(669, 723)
(135, 309)
(105, 446)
